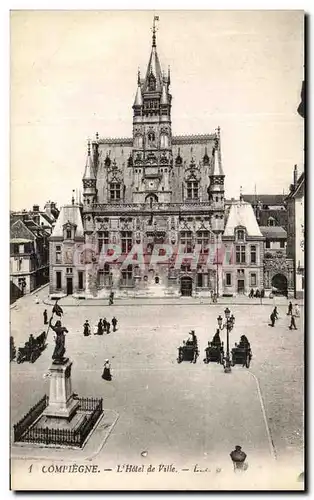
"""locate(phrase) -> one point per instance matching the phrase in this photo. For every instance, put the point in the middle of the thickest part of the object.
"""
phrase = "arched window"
(164, 141)
(139, 141)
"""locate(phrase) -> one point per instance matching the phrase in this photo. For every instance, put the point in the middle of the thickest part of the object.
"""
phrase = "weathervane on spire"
(138, 77)
(88, 147)
(154, 29)
(241, 194)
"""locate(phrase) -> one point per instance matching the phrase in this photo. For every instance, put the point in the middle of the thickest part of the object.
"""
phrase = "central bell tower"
(151, 157)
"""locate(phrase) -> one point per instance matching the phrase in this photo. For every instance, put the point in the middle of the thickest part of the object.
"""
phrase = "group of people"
(294, 312)
(258, 294)
(103, 326)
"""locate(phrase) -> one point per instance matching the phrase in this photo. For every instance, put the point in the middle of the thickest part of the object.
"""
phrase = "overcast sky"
(74, 74)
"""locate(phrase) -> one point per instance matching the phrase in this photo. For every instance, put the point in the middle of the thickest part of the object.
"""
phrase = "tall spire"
(153, 79)
(154, 29)
(89, 167)
(217, 169)
(138, 101)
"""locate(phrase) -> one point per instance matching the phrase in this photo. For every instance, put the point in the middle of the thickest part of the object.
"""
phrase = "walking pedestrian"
(114, 322)
(289, 313)
(106, 374)
(104, 322)
(275, 312)
(262, 293)
(272, 319)
(45, 314)
(292, 323)
(111, 296)
(296, 311)
(251, 294)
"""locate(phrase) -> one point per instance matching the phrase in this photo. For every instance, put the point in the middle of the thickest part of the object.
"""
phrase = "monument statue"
(59, 350)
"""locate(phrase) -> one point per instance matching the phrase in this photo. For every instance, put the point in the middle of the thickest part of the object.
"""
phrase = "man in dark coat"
(272, 319)
(292, 323)
(289, 313)
(45, 317)
(108, 327)
(275, 312)
(114, 322)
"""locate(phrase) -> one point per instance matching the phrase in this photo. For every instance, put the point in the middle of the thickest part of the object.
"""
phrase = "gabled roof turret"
(89, 167)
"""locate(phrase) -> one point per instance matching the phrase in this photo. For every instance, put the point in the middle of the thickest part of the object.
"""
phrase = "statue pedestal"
(61, 400)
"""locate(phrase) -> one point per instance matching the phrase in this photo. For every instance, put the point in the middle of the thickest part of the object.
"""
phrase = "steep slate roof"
(72, 214)
(265, 199)
(274, 232)
(19, 231)
(242, 214)
(299, 189)
(280, 216)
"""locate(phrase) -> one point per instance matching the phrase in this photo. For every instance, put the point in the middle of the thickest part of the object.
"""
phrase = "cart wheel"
(19, 359)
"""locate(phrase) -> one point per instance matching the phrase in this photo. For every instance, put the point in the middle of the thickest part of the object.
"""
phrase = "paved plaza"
(185, 414)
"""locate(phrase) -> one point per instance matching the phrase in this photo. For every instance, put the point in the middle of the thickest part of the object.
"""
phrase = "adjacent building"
(296, 231)
(29, 248)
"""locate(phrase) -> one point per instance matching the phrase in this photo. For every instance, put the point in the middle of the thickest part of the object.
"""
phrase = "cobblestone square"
(190, 413)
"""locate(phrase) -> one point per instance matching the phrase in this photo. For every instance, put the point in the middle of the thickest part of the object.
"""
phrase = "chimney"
(35, 208)
(295, 176)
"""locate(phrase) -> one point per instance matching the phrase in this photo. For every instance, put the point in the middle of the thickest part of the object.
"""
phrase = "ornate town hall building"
(151, 189)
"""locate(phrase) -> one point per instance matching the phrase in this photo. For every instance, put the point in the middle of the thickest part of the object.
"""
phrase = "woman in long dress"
(100, 328)
(106, 374)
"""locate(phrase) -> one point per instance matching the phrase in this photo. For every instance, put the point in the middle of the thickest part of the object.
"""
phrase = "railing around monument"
(23, 432)
(31, 416)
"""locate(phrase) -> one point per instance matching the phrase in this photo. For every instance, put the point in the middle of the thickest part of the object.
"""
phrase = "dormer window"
(115, 191)
(69, 231)
(240, 233)
(271, 221)
(151, 82)
(192, 190)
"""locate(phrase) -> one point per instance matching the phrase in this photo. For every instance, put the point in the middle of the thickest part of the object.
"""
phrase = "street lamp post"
(229, 324)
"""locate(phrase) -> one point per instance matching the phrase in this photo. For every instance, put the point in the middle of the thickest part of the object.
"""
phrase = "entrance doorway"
(186, 287)
(279, 285)
(69, 286)
(240, 286)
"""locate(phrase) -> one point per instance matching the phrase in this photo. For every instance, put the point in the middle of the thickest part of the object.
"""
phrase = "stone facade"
(296, 231)
(158, 197)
